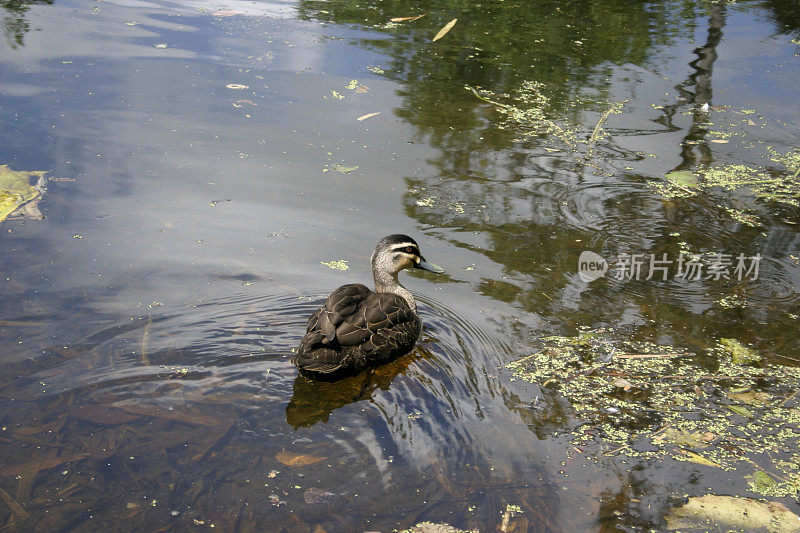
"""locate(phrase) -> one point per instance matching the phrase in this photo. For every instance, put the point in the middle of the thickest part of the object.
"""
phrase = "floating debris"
(338, 264)
(407, 19)
(18, 197)
(634, 392)
(723, 513)
(446, 28)
(276, 501)
(368, 115)
(739, 353)
(344, 169)
(682, 178)
(430, 527)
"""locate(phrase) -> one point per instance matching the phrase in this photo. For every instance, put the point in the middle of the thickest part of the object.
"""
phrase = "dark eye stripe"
(406, 249)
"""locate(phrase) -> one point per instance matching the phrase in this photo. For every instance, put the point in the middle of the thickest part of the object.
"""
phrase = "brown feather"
(357, 328)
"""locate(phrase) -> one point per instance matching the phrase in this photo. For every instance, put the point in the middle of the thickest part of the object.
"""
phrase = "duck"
(358, 328)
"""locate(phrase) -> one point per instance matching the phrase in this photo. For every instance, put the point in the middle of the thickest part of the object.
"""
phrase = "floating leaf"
(368, 115)
(406, 19)
(298, 459)
(750, 397)
(760, 481)
(446, 28)
(237, 86)
(741, 411)
(699, 459)
(694, 439)
(683, 178)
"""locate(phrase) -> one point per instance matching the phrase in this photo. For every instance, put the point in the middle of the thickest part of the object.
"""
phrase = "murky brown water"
(201, 161)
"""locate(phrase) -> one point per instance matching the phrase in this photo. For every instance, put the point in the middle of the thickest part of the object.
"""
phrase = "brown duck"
(358, 328)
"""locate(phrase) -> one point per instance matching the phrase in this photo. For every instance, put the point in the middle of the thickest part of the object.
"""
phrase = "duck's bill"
(430, 267)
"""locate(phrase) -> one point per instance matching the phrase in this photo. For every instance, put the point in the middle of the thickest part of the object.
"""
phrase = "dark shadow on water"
(313, 400)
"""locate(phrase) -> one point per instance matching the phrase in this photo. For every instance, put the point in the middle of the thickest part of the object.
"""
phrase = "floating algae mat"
(649, 401)
(20, 192)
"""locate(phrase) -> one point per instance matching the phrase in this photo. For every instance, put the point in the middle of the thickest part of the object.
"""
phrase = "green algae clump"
(739, 353)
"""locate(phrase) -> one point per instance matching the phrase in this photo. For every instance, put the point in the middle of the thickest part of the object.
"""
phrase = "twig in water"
(789, 398)
(615, 450)
(519, 361)
(660, 431)
(546, 296)
(787, 357)
(681, 187)
(585, 372)
(486, 99)
(16, 508)
(615, 107)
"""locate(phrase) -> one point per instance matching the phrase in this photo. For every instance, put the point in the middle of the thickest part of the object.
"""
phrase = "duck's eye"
(410, 250)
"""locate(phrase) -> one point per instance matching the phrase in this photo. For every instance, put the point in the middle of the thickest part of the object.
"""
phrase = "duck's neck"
(386, 281)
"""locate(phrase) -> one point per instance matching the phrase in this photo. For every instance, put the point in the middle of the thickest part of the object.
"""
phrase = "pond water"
(204, 159)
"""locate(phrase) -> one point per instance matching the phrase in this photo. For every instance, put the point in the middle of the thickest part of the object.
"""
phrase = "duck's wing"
(354, 323)
(340, 308)
(386, 323)
(319, 349)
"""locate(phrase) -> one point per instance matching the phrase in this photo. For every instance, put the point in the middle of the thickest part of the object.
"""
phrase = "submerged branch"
(615, 108)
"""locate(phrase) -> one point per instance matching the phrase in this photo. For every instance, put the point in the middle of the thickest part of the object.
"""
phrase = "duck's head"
(399, 252)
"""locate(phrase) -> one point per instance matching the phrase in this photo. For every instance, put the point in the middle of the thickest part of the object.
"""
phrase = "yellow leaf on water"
(699, 459)
(446, 28)
(368, 115)
(406, 19)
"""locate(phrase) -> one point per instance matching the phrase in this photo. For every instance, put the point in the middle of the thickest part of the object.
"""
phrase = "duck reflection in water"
(313, 400)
